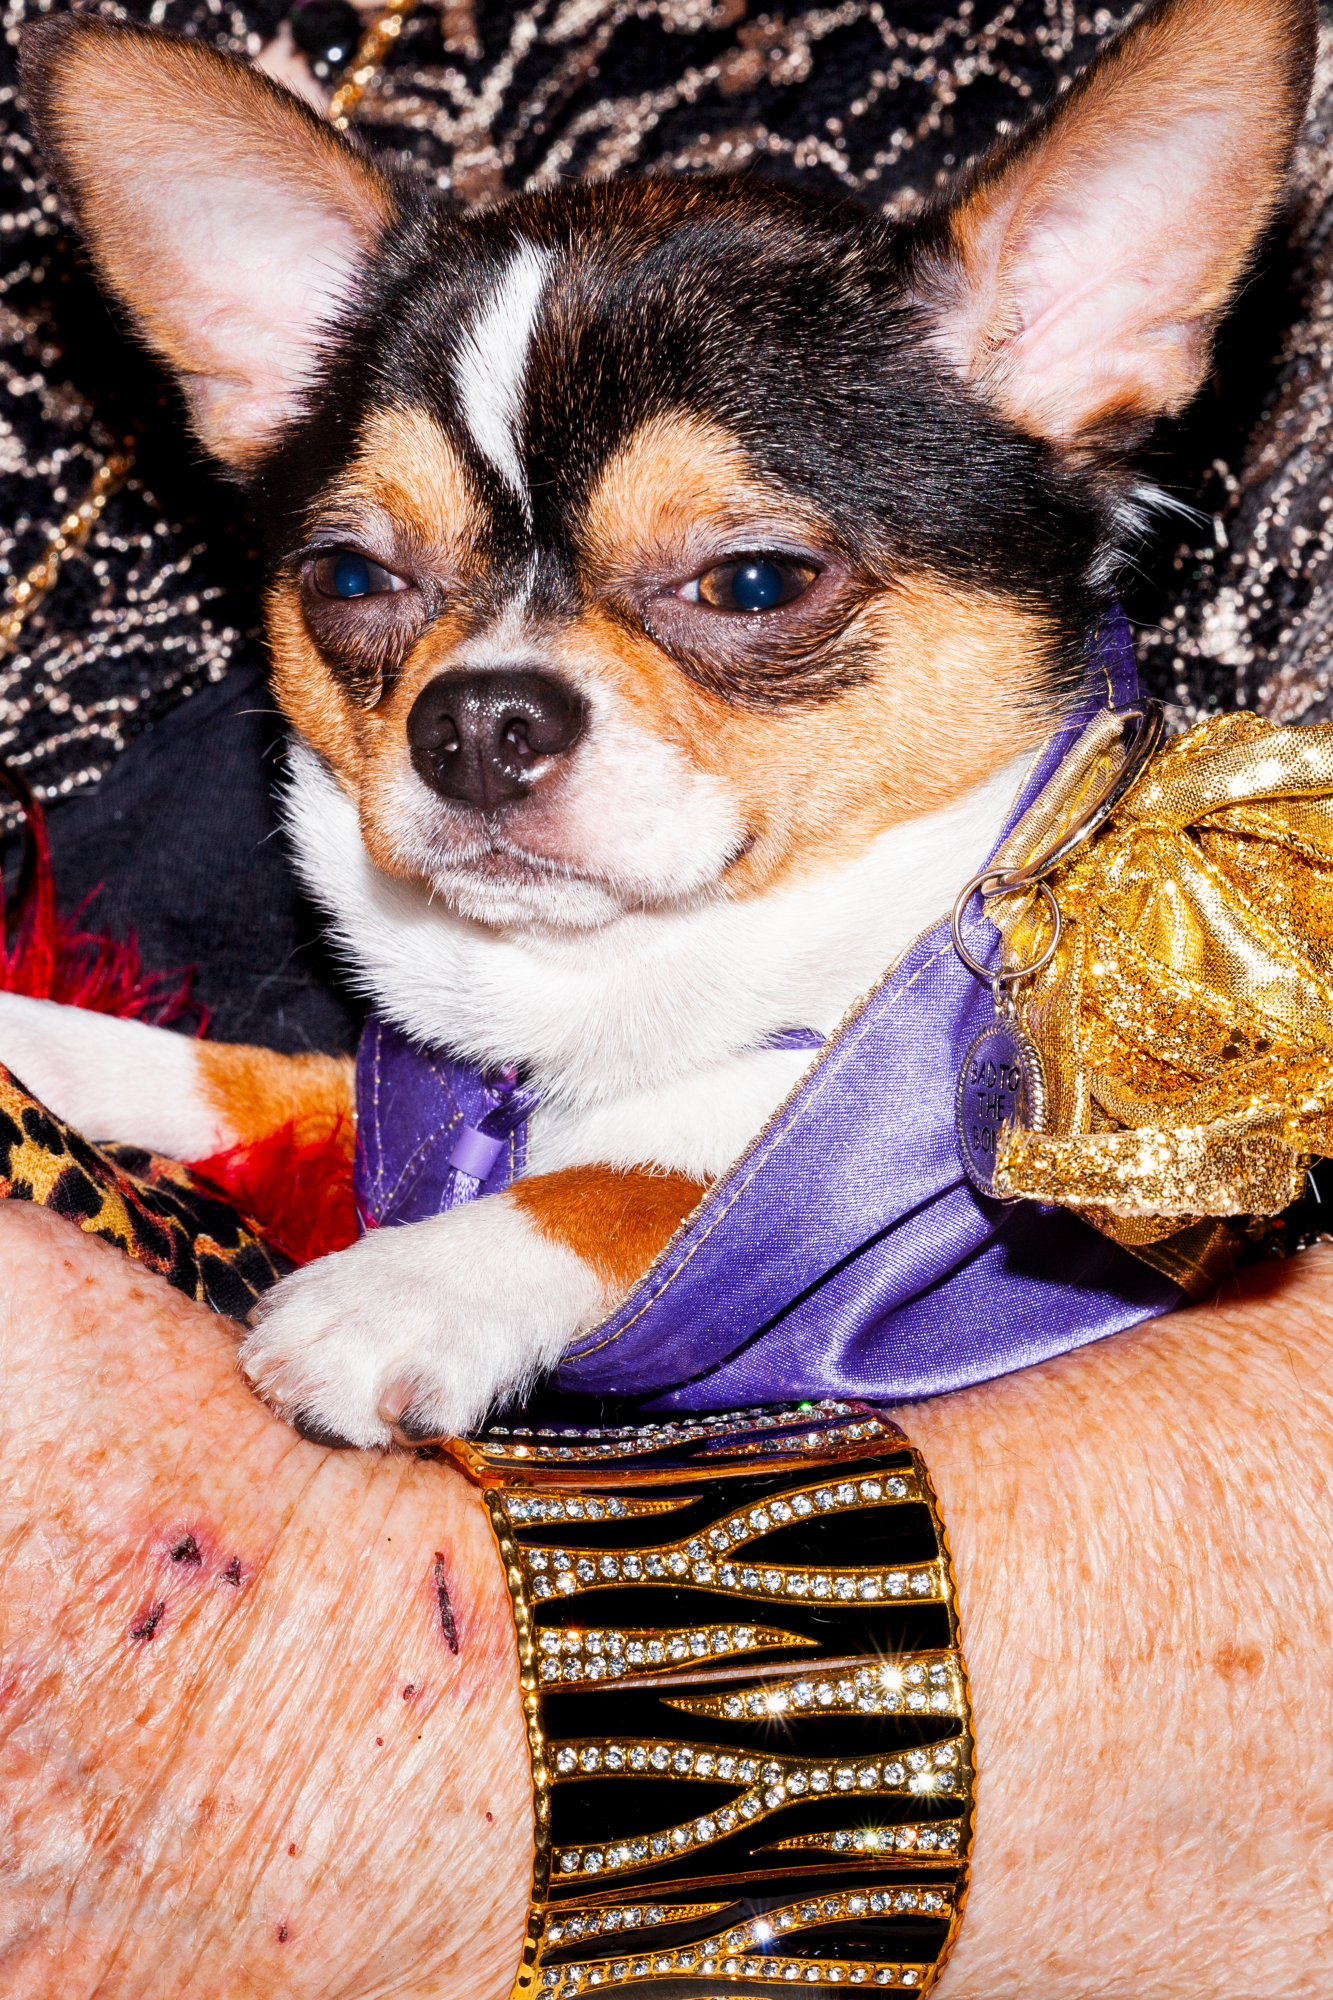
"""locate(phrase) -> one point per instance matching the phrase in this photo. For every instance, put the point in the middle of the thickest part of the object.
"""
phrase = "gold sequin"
(1186, 1020)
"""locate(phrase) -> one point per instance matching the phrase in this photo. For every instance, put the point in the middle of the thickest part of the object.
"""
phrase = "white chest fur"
(642, 1036)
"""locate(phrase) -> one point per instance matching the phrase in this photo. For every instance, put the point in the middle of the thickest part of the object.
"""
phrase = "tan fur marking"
(954, 694)
(415, 499)
(677, 480)
(618, 1220)
(258, 1092)
(306, 691)
(405, 465)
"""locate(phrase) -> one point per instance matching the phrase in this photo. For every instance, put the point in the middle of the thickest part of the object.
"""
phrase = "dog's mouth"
(498, 859)
(487, 872)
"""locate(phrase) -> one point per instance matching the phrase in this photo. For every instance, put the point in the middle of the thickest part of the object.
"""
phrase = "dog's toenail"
(315, 1432)
(413, 1428)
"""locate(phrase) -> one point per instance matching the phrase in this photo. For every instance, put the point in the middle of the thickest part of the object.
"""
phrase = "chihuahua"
(671, 581)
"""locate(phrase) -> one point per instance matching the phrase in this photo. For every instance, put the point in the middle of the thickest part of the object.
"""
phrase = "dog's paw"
(414, 1332)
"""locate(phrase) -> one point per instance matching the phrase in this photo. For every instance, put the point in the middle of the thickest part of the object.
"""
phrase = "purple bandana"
(846, 1254)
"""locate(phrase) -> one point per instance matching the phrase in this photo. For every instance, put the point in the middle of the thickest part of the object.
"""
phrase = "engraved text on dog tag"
(1002, 1082)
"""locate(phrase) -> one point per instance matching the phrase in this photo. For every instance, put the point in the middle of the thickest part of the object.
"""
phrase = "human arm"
(1146, 1600)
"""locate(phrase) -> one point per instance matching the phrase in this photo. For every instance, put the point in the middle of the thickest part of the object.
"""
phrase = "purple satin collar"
(846, 1254)
(431, 1132)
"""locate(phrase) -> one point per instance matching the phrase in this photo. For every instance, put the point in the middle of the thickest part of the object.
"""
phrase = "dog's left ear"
(1078, 277)
(228, 219)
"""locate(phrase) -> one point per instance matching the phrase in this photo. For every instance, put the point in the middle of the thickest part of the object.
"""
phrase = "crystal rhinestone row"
(571, 1656)
(566, 1573)
(632, 1441)
(522, 1507)
(820, 1441)
(563, 1982)
(573, 1925)
(770, 1784)
(919, 1840)
(915, 1684)
(695, 1427)
(703, 1426)
(720, 1954)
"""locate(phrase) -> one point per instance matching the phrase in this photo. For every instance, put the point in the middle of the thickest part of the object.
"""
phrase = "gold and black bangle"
(746, 1704)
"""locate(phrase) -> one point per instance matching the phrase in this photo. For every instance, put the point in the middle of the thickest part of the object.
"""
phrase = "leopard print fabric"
(155, 1210)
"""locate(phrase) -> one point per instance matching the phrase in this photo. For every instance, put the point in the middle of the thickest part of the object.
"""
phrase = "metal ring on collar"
(1151, 719)
(992, 883)
(1006, 882)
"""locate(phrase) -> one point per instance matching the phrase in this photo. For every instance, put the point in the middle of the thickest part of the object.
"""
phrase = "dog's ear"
(223, 213)
(1078, 276)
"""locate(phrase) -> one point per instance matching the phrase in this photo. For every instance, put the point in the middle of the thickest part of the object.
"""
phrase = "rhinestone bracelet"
(746, 1706)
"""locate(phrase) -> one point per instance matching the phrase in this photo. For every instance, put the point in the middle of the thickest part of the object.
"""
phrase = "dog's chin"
(507, 892)
(496, 879)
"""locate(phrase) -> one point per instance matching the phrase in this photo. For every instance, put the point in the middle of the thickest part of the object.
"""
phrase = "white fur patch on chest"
(655, 1019)
(491, 360)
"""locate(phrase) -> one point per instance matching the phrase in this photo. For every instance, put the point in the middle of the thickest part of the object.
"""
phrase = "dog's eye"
(345, 574)
(751, 583)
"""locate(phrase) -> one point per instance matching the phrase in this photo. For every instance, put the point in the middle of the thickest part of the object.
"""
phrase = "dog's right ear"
(225, 215)
(1078, 277)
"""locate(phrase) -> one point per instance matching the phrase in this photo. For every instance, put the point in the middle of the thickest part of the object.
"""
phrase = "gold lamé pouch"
(1186, 1018)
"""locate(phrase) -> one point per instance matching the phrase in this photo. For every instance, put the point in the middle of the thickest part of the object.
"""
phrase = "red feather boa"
(297, 1186)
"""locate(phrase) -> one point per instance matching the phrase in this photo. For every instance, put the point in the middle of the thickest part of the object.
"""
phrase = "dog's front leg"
(415, 1332)
(187, 1099)
(112, 1079)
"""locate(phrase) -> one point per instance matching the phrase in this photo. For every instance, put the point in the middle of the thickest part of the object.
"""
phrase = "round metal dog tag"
(1002, 1082)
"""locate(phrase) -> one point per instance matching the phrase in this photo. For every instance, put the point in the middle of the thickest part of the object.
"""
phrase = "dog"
(671, 582)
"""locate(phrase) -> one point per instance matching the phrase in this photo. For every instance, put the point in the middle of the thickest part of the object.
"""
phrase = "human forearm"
(238, 1753)
(1142, 1546)
(1142, 1567)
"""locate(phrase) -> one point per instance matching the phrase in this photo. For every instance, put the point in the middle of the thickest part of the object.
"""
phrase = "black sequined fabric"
(879, 101)
(163, 598)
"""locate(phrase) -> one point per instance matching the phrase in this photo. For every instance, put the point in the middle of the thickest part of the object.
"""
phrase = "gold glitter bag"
(1185, 1017)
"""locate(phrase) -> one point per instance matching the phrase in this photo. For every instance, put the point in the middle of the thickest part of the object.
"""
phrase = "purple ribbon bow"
(846, 1254)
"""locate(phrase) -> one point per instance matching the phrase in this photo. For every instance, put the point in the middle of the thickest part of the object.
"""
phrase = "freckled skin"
(1140, 1534)
(218, 1779)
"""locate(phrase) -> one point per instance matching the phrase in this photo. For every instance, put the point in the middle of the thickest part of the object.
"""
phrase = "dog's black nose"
(485, 738)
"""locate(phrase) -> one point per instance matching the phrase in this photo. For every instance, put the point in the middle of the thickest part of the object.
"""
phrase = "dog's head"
(650, 540)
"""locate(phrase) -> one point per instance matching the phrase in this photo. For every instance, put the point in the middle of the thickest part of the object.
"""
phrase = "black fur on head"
(785, 318)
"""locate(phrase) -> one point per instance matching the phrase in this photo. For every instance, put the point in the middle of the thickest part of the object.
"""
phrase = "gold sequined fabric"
(1186, 1019)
